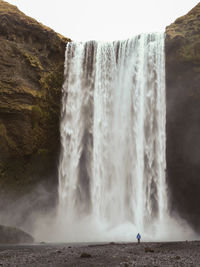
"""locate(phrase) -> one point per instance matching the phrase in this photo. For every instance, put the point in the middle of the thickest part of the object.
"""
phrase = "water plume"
(112, 164)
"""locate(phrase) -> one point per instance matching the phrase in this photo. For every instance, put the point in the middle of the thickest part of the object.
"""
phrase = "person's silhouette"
(138, 238)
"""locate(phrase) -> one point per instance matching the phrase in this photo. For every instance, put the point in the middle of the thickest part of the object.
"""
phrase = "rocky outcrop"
(31, 75)
(12, 235)
(183, 115)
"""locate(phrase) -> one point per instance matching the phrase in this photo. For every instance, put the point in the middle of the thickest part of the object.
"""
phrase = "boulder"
(11, 235)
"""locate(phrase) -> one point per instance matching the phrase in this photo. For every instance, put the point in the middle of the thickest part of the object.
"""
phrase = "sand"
(112, 254)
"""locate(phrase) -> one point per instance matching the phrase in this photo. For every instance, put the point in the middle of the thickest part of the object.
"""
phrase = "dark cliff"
(31, 75)
(183, 115)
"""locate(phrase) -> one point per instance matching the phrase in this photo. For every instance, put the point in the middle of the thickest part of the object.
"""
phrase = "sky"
(106, 20)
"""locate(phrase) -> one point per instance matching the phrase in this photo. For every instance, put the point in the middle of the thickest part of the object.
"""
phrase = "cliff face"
(31, 75)
(183, 115)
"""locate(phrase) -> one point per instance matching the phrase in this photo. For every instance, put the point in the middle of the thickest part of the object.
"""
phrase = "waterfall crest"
(112, 163)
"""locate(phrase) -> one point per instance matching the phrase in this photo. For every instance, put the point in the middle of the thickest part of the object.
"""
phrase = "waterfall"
(112, 163)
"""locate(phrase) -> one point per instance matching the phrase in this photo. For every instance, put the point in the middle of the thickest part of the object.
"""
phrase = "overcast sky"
(83, 20)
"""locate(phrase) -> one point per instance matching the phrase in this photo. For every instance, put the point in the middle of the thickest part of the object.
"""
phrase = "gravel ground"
(112, 254)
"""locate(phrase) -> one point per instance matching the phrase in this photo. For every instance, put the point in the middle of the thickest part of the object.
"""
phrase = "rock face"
(11, 235)
(31, 75)
(183, 115)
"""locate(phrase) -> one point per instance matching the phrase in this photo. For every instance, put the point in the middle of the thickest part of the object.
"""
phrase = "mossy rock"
(12, 235)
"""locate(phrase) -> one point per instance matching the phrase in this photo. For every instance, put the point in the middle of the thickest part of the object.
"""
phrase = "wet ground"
(112, 254)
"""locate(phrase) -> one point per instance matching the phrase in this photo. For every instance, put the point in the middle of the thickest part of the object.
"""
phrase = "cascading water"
(112, 164)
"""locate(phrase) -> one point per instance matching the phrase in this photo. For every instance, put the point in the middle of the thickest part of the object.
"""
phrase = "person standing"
(138, 238)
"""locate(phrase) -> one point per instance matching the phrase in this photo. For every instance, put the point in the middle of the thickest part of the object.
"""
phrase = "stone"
(12, 235)
(148, 249)
(85, 255)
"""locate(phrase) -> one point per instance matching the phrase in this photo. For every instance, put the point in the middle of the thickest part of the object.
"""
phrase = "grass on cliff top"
(6, 8)
(186, 30)
(185, 24)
